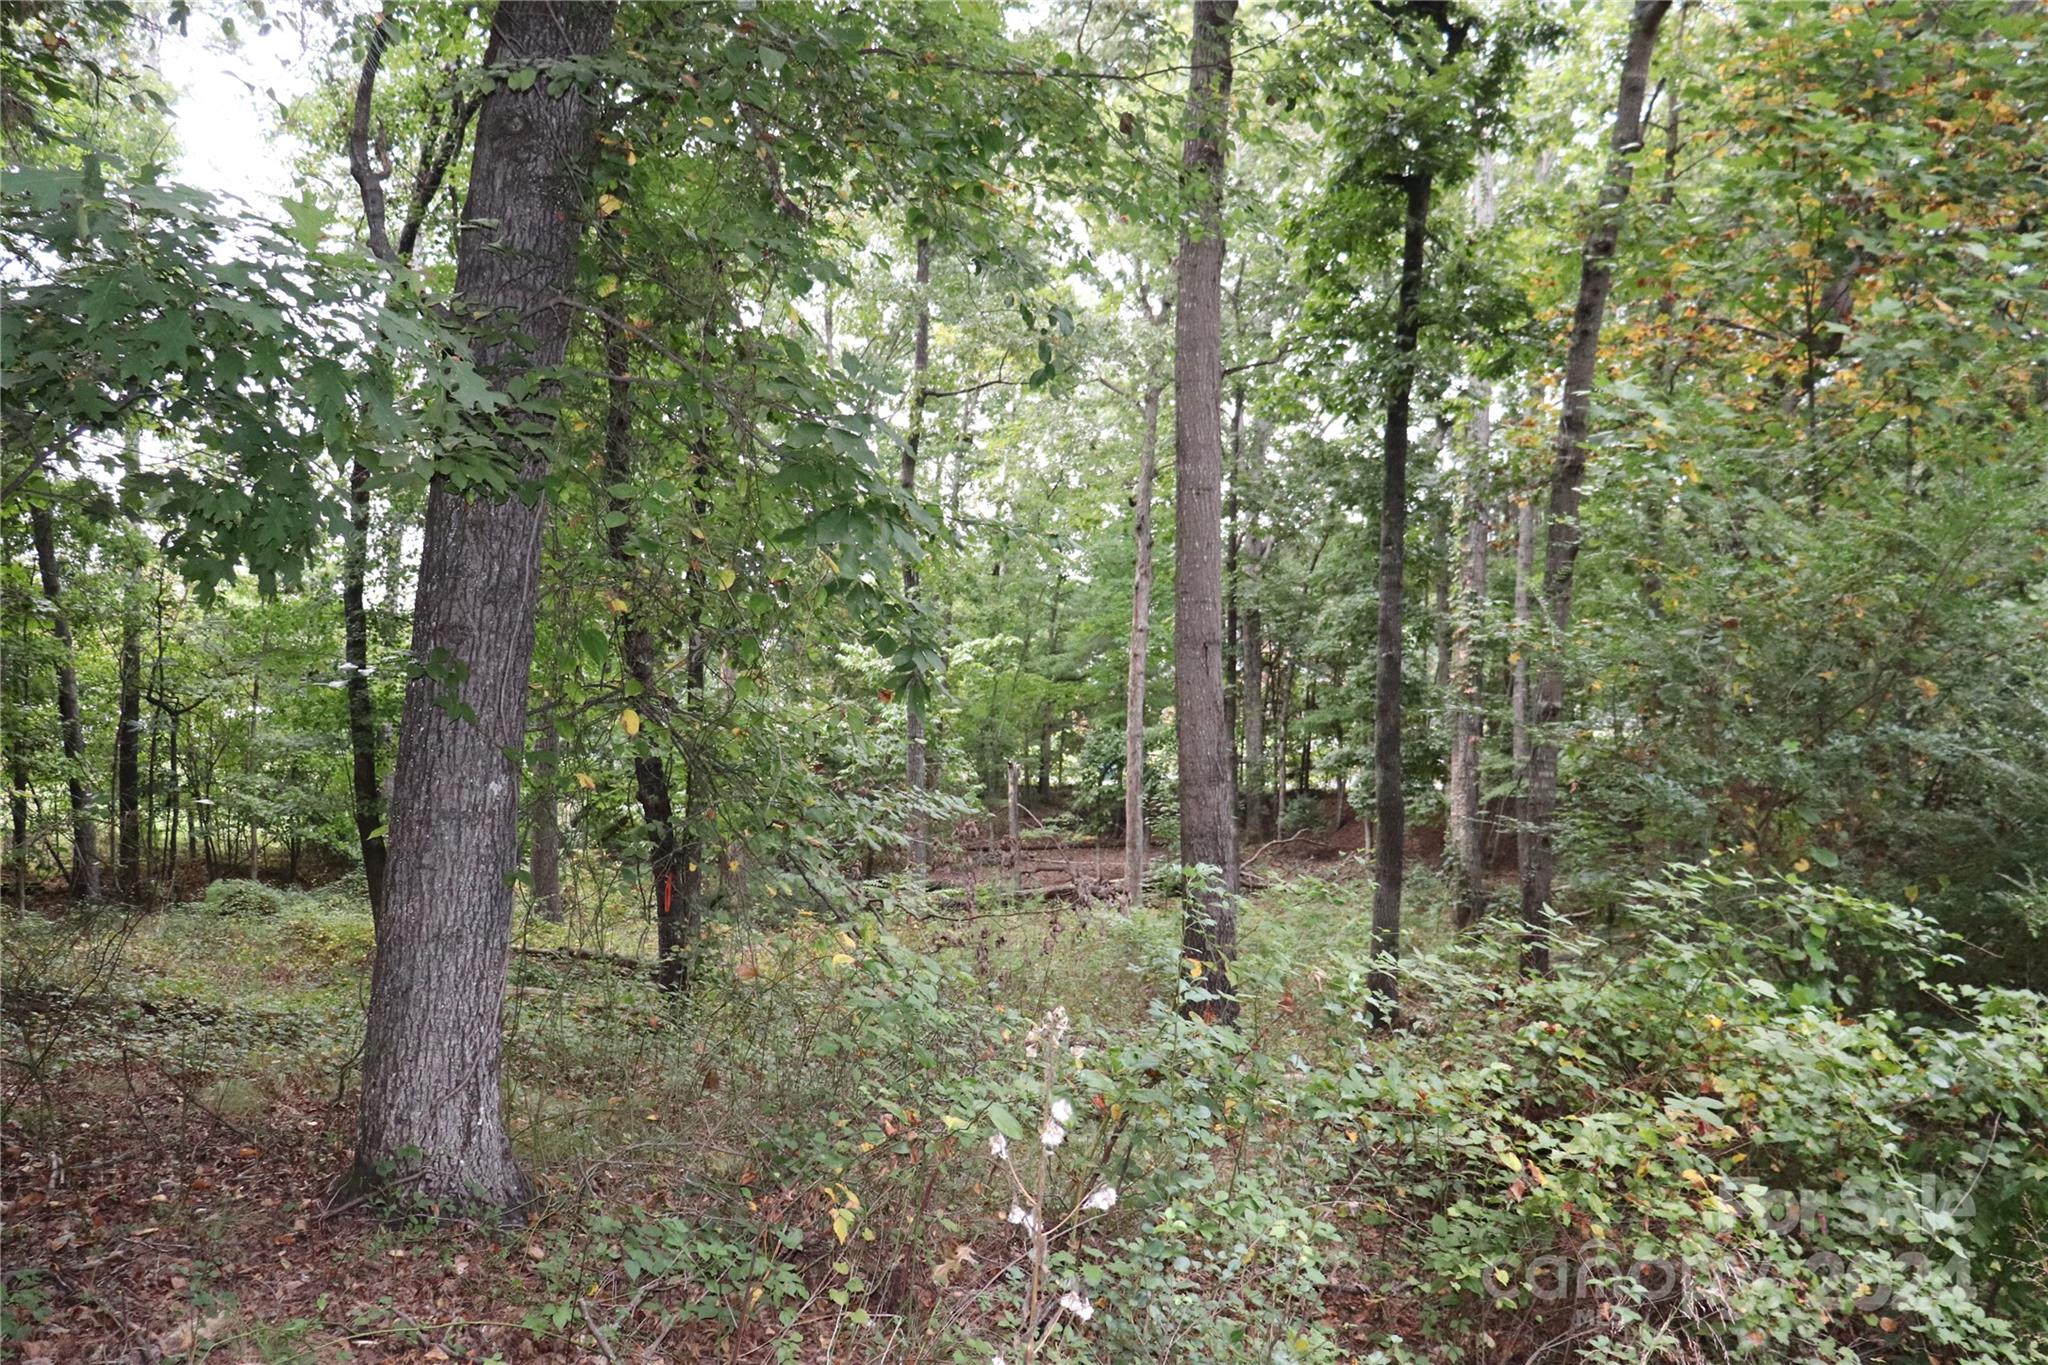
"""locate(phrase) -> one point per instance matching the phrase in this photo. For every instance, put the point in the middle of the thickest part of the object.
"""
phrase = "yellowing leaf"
(630, 719)
(726, 578)
(609, 204)
(842, 960)
(608, 286)
(619, 606)
(1927, 687)
(586, 781)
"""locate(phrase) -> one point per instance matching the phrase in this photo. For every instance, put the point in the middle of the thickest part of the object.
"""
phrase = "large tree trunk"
(127, 753)
(362, 716)
(1538, 848)
(1135, 663)
(1389, 803)
(1208, 829)
(85, 845)
(432, 1111)
(920, 851)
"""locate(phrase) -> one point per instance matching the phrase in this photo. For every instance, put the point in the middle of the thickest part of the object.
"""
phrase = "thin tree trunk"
(920, 851)
(17, 764)
(85, 857)
(1258, 823)
(544, 818)
(1466, 844)
(673, 929)
(1388, 800)
(1442, 569)
(1208, 831)
(1538, 849)
(362, 715)
(1232, 510)
(1518, 657)
(127, 754)
(432, 1110)
(1138, 655)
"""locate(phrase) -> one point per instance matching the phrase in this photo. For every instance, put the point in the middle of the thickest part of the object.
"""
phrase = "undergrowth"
(1742, 1117)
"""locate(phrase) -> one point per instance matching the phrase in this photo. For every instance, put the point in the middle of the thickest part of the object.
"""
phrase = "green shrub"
(240, 899)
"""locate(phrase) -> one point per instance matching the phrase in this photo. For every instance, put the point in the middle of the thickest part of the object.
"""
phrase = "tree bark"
(432, 1110)
(1538, 849)
(85, 855)
(920, 850)
(1138, 654)
(1389, 802)
(1208, 830)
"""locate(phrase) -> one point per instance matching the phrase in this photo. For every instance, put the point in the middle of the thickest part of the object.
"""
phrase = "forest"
(967, 680)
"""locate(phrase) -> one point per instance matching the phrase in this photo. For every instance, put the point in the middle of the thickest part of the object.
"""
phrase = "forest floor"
(179, 1100)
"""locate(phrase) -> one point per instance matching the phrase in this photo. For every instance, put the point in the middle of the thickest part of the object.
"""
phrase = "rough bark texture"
(432, 1111)
(362, 715)
(85, 844)
(1465, 845)
(1134, 666)
(1389, 804)
(913, 710)
(1208, 832)
(1538, 852)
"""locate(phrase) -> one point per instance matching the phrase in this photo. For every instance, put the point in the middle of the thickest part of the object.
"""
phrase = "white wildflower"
(1102, 1201)
(1053, 1134)
(1062, 1112)
(998, 1146)
(1074, 1303)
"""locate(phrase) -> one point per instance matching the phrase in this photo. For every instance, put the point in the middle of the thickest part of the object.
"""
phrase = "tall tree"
(432, 1111)
(1258, 812)
(85, 847)
(127, 749)
(1538, 849)
(673, 911)
(913, 705)
(1138, 651)
(1208, 828)
(446, 132)
(1465, 844)
(1417, 183)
